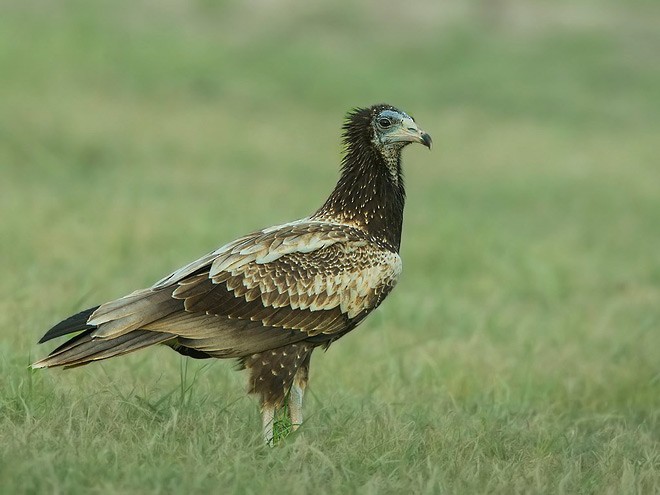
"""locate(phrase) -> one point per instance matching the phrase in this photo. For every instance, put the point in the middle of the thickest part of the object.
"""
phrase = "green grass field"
(520, 352)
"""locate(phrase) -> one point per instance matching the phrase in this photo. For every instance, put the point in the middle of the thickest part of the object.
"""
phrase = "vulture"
(271, 297)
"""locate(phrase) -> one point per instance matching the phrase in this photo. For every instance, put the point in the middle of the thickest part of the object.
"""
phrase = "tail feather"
(84, 348)
(72, 342)
(121, 307)
(72, 324)
(133, 311)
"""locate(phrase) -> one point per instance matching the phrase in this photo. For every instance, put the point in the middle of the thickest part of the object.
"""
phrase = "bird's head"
(385, 127)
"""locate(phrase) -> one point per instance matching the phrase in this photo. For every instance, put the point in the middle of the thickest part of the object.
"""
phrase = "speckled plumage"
(271, 297)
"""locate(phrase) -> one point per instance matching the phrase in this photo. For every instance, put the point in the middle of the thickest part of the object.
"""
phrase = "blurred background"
(136, 136)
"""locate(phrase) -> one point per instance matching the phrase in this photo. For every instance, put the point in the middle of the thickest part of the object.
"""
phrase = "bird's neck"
(370, 194)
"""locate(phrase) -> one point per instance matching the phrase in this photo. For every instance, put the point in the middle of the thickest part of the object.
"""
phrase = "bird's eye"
(384, 123)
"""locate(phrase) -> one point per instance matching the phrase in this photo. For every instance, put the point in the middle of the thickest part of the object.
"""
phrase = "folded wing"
(270, 288)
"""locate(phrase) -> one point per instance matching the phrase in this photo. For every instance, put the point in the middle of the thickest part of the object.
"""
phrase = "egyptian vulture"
(273, 296)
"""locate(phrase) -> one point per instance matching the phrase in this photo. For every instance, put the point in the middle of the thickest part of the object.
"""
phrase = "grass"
(520, 352)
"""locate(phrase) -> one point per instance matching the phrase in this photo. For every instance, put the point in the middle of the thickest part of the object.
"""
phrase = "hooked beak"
(408, 132)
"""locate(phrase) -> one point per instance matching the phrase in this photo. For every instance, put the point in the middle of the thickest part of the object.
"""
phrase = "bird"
(271, 297)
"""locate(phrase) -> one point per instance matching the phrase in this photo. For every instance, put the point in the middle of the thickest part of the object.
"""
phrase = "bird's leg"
(268, 420)
(295, 405)
(296, 394)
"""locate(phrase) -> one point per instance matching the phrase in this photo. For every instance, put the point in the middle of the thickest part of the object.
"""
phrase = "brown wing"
(313, 292)
(268, 289)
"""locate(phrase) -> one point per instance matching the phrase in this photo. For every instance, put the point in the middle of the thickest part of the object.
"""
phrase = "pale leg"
(295, 404)
(268, 419)
(296, 394)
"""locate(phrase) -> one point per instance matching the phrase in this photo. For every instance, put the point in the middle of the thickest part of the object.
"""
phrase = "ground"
(520, 352)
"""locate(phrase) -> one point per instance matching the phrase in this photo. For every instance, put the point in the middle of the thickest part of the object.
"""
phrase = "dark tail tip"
(75, 323)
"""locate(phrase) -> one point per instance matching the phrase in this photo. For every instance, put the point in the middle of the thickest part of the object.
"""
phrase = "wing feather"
(275, 286)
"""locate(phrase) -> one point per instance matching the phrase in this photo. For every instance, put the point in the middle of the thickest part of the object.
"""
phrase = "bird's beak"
(408, 132)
